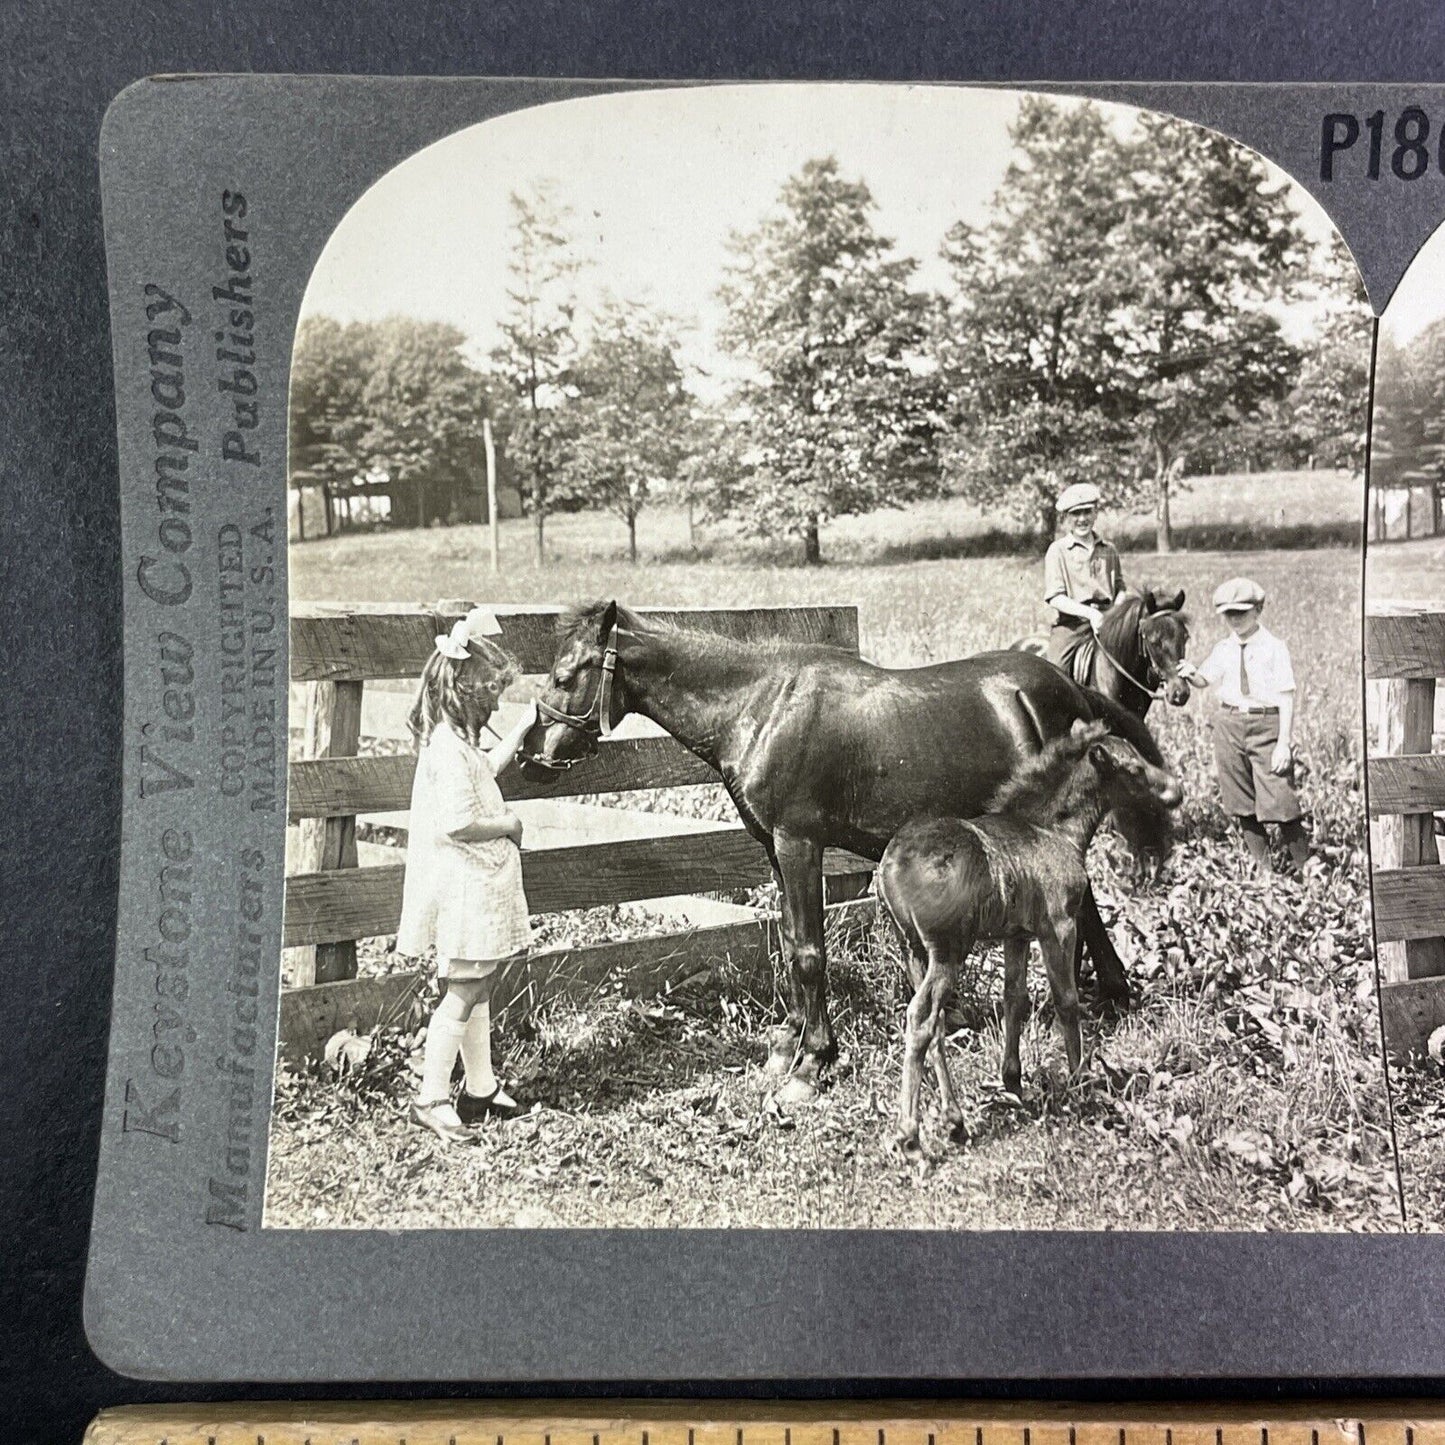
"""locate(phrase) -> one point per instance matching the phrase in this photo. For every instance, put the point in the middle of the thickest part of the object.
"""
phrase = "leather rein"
(1157, 693)
(595, 723)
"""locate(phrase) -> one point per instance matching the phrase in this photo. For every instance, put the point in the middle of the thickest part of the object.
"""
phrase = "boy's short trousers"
(1071, 646)
(1243, 745)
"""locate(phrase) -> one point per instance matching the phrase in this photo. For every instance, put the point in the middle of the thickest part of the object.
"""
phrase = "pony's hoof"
(797, 1090)
(782, 1050)
(958, 1130)
(1114, 1001)
(906, 1142)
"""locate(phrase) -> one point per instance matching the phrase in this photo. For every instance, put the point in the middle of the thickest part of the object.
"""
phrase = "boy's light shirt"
(1266, 659)
(1090, 577)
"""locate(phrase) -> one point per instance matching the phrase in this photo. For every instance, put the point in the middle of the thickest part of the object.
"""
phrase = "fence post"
(1408, 840)
(333, 730)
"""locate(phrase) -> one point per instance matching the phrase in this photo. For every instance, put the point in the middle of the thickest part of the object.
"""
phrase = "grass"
(1407, 572)
(1242, 512)
(1417, 1092)
(1244, 1092)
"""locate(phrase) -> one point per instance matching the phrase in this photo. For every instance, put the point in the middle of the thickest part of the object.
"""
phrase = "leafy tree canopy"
(630, 424)
(838, 412)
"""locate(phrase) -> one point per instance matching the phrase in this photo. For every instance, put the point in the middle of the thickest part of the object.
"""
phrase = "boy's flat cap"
(1238, 595)
(1080, 494)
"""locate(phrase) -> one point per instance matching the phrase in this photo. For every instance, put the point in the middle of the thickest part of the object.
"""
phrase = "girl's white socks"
(443, 1042)
(477, 1052)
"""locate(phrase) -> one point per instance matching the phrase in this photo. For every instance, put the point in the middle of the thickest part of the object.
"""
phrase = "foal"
(1014, 874)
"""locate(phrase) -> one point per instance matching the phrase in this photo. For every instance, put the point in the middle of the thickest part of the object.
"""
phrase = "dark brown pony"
(819, 748)
(1015, 874)
(1136, 656)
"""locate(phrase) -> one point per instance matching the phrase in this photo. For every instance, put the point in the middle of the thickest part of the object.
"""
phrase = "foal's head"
(1088, 772)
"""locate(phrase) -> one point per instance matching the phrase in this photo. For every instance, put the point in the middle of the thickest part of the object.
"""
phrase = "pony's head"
(1164, 636)
(582, 697)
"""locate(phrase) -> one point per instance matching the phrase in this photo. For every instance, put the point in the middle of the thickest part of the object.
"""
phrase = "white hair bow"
(479, 622)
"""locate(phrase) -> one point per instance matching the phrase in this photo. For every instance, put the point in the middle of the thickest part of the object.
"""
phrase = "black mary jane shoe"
(496, 1105)
(425, 1115)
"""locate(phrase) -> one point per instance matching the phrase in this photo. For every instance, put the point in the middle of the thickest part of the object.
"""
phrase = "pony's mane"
(581, 621)
(1120, 626)
(1040, 780)
(584, 621)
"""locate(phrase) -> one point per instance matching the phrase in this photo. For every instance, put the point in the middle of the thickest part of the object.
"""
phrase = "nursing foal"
(1014, 874)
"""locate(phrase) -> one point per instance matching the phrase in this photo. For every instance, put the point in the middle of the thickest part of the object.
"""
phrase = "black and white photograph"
(1404, 655)
(826, 680)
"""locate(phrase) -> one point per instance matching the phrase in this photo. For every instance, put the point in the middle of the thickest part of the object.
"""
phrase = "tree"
(1112, 314)
(1330, 403)
(424, 410)
(1022, 339)
(1407, 436)
(838, 412)
(535, 356)
(630, 422)
(327, 418)
(1207, 243)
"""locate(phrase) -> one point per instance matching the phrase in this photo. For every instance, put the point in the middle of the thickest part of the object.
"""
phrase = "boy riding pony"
(1082, 580)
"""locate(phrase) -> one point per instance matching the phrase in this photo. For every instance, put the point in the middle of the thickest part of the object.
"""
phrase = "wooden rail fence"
(331, 902)
(1405, 784)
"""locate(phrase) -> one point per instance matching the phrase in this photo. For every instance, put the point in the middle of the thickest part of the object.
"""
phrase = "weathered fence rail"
(332, 903)
(1405, 785)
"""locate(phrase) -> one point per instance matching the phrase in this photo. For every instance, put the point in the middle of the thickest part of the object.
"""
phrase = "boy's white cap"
(1239, 594)
(1080, 494)
(479, 622)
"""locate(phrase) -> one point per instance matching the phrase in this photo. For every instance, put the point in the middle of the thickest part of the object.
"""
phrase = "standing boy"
(1082, 578)
(1253, 755)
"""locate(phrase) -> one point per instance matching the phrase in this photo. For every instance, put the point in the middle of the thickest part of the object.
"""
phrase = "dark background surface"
(60, 638)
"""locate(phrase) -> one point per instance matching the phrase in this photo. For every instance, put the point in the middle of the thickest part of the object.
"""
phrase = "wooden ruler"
(454, 1422)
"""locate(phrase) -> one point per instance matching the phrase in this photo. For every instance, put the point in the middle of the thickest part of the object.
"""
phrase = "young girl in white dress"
(462, 892)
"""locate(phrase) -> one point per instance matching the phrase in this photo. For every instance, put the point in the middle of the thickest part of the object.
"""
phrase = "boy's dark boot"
(1296, 840)
(1256, 842)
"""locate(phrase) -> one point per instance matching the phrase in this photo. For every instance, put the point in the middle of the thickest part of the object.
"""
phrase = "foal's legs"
(947, 1095)
(1015, 1009)
(1058, 954)
(921, 1036)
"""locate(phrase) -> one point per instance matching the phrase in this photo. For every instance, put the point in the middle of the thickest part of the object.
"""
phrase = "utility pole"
(492, 522)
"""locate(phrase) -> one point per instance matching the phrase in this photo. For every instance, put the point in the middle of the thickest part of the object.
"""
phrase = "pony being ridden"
(1012, 875)
(1135, 653)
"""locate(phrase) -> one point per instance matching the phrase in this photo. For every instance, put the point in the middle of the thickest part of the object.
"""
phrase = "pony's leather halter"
(596, 722)
(1156, 693)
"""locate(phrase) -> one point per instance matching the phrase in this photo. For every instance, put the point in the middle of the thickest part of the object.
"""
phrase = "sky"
(1419, 299)
(656, 180)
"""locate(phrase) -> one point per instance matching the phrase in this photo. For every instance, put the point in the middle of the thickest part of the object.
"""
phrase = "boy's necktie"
(1243, 676)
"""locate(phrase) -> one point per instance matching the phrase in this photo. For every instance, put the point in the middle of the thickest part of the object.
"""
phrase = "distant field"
(1250, 511)
(1406, 571)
